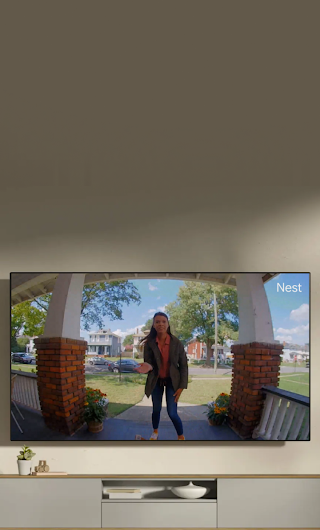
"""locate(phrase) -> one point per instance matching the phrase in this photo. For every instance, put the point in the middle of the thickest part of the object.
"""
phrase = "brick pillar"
(254, 365)
(61, 382)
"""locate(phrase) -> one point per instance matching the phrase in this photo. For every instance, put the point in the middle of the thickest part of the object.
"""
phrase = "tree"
(128, 340)
(192, 314)
(27, 318)
(99, 300)
(147, 325)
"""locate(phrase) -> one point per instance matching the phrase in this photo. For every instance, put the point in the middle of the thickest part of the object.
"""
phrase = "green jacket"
(178, 364)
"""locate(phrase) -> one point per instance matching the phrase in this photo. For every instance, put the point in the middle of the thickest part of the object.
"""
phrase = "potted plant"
(217, 411)
(95, 410)
(25, 460)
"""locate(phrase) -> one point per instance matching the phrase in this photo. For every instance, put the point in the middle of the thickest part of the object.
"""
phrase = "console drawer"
(159, 514)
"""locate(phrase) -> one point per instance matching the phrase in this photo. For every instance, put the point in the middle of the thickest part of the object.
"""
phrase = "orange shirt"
(164, 350)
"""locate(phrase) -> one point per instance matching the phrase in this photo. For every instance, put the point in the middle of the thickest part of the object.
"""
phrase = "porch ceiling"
(27, 286)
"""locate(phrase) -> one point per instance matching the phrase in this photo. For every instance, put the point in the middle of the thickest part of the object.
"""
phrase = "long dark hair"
(153, 332)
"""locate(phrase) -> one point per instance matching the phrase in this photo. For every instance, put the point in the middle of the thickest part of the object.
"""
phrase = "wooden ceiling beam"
(42, 288)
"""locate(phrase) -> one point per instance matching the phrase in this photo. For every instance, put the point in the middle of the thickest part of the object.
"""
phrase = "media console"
(78, 501)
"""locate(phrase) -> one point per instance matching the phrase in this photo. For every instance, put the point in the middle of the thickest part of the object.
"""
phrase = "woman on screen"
(166, 364)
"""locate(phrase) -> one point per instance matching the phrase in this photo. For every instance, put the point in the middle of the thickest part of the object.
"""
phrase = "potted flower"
(25, 460)
(217, 411)
(95, 410)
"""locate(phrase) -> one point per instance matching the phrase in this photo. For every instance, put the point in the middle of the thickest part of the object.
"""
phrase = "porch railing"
(25, 389)
(285, 416)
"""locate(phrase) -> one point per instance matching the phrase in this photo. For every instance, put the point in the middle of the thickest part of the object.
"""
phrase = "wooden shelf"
(163, 499)
(182, 477)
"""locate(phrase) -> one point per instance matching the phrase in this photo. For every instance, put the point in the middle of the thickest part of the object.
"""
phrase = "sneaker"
(182, 438)
(154, 436)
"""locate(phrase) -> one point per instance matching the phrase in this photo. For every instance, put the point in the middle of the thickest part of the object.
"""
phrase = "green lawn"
(199, 392)
(121, 394)
(299, 365)
(24, 367)
(297, 383)
(130, 390)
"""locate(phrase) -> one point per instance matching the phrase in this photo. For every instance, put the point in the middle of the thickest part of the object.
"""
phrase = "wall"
(219, 115)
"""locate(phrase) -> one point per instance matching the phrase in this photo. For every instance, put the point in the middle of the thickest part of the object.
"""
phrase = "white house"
(30, 348)
(289, 355)
(104, 342)
(136, 339)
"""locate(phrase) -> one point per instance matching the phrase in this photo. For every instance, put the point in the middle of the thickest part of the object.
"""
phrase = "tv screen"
(156, 357)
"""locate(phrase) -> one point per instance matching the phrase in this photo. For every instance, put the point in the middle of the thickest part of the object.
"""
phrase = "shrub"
(95, 405)
(217, 410)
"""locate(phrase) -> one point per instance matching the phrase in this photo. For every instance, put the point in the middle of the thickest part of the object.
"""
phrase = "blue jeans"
(172, 407)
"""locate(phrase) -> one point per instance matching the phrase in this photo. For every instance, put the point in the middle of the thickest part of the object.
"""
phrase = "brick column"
(61, 382)
(254, 365)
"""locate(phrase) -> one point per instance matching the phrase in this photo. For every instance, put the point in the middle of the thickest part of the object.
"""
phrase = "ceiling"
(27, 286)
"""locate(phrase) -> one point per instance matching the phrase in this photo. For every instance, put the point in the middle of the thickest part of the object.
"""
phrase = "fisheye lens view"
(215, 356)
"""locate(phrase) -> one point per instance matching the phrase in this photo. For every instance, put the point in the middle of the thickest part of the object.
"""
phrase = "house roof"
(30, 285)
(104, 332)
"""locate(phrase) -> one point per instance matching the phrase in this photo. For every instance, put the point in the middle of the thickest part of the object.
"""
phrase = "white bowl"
(190, 492)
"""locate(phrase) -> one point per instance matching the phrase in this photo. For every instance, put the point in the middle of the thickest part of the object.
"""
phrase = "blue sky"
(289, 310)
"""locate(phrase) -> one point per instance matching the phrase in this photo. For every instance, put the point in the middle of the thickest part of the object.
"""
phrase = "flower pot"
(95, 426)
(214, 423)
(25, 467)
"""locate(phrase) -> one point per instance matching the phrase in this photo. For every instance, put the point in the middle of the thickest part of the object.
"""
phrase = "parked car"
(100, 360)
(127, 365)
(307, 363)
(24, 358)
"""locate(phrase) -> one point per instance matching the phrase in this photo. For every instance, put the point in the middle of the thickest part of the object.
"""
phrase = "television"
(160, 356)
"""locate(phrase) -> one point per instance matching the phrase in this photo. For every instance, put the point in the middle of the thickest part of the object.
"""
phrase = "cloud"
(151, 311)
(282, 338)
(128, 331)
(152, 287)
(158, 297)
(293, 331)
(302, 313)
(161, 308)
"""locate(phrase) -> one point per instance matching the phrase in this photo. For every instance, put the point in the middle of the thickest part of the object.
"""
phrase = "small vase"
(95, 426)
(25, 467)
(189, 492)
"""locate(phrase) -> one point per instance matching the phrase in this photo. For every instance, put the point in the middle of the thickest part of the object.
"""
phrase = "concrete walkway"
(193, 417)
(125, 426)
(142, 411)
